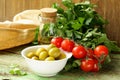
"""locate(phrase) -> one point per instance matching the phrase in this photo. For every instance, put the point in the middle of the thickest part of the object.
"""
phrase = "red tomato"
(101, 50)
(79, 52)
(67, 45)
(57, 41)
(90, 53)
(96, 66)
(87, 65)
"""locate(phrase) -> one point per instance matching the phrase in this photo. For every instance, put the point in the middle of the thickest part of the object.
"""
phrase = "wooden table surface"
(13, 56)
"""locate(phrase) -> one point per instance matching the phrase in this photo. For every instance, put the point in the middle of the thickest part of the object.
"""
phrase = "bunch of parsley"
(81, 23)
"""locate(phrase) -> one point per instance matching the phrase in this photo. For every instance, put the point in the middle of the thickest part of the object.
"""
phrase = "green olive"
(50, 46)
(35, 58)
(62, 56)
(54, 52)
(30, 54)
(50, 59)
(39, 51)
(43, 55)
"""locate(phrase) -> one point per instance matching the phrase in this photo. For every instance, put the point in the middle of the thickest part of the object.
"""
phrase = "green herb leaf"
(76, 63)
(88, 21)
(51, 29)
(68, 67)
(76, 25)
(77, 35)
(45, 30)
(102, 39)
(59, 9)
(16, 71)
(107, 59)
(36, 36)
(68, 3)
(112, 46)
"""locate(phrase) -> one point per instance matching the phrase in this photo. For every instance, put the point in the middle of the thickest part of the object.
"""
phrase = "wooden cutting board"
(13, 56)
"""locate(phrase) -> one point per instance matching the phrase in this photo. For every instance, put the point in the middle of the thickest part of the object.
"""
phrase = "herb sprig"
(15, 70)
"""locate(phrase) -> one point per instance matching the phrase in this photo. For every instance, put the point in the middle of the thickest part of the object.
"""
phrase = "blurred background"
(109, 9)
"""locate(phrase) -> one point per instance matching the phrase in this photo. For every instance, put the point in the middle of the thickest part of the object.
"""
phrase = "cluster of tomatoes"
(89, 59)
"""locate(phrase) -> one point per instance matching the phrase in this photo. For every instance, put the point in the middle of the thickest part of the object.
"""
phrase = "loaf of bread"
(21, 24)
(16, 34)
(20, 31)
(32, 15)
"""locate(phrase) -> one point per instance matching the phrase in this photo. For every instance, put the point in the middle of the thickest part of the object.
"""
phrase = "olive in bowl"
(45, 60)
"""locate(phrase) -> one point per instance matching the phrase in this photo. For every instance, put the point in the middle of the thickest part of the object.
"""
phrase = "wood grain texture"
(109, 9)
(2, 9)
(113, 15)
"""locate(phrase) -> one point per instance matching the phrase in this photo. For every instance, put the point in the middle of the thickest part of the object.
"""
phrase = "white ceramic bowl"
(45, 68)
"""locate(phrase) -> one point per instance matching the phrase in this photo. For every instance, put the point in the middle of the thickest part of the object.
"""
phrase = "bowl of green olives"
(45, 60)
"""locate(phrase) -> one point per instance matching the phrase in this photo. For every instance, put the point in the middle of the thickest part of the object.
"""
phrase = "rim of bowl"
(24, 51)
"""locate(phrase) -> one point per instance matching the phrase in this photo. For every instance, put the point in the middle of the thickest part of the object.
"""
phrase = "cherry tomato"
(96, 66)
(79, 52)
(67, 45)
(90, 53)
(57, 41)
(87, 65)
(101, 50)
